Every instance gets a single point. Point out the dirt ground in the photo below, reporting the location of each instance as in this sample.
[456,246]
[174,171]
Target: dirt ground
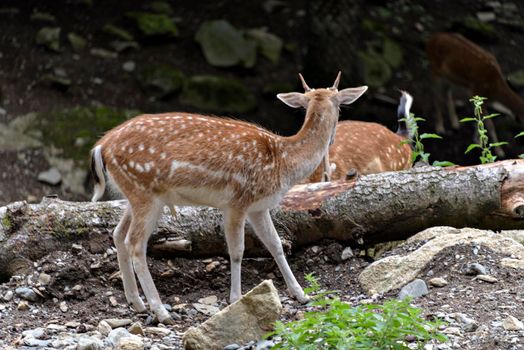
[86,281]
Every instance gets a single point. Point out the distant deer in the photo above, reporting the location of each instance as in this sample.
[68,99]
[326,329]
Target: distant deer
[368,148]
[464,63]
[190,159]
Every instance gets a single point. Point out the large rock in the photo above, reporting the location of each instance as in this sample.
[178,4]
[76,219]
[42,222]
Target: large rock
[395,271]
[247,319]
[217,94]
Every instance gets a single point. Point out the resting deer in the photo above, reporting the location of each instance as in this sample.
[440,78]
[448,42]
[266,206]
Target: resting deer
[464,63]
[368,148]
[191,159]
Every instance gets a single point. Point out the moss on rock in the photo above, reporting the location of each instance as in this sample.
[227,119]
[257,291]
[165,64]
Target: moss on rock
[218,94]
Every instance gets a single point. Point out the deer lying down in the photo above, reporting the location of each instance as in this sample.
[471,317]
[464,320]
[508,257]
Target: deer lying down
[191,159]
[367,148]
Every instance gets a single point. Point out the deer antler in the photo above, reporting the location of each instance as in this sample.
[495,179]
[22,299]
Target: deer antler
[306,88]
[337,80]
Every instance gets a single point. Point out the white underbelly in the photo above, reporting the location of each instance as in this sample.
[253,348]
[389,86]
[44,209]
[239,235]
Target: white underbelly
[201,196]
[268,202]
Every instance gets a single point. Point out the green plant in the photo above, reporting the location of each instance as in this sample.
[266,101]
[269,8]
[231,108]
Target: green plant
[486,156]
[520,134]
[338,325]
[416,141]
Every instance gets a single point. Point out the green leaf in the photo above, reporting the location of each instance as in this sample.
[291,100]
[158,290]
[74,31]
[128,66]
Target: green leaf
[418,119]
[443,163]
[497,144]
[472,147]
[429,136]
[489,116]
[519,134]
[224,45]
[118,32]
[269,44]
[467,119]
[153,24]
[217,94]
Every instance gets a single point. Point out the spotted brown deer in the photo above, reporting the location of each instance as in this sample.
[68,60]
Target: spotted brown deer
[457,59]
[190,159]
[367,148]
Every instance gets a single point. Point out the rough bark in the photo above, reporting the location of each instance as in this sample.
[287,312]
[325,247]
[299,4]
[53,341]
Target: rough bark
[373,208]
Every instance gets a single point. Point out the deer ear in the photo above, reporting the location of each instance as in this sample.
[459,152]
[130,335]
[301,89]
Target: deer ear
[350,95]
[294,99]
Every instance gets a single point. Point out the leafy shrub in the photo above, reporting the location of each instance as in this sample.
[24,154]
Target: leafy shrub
[416,140]
[338,325]
[486,156]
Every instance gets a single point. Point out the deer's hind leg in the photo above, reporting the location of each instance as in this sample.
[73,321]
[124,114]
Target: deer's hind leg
[125,264]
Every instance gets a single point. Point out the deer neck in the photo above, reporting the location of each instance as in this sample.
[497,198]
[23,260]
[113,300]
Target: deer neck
[303,152]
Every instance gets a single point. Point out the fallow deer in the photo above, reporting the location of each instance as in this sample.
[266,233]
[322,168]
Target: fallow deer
[457,59]
[191,159]
[368,148]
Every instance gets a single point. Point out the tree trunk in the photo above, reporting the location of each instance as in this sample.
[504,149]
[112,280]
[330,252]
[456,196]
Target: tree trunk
[373,208]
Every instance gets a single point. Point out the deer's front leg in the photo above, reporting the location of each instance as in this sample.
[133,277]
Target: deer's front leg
[265,230]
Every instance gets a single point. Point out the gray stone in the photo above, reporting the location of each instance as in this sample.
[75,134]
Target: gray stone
[44,278]
[158,331]
[26,293]
[130,343]
[486,16]
[37,343]
[104,328]
[63,306]
[513,263]
[8,295]
[487,278]
[231,347]
[468,324]
[22,306]
[208,310]
[438,282]
[136,328]
[113,338]
[475,269]
[414,289]
[37,333]
[129,66]
[512,323]
[396,270]
[89,343]
[264,344]
[249,318]
[210,300]
[118,322]
[51,176]
[347,253]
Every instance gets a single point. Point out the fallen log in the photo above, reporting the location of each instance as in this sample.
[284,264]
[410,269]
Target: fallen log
[369,209]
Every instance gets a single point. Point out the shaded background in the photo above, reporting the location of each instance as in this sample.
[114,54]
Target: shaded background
[69,70]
